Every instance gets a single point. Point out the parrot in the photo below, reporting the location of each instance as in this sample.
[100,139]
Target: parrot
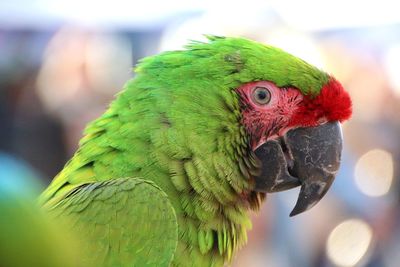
[169,173]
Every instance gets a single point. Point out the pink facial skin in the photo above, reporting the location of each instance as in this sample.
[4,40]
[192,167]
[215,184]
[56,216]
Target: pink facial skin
[289,109]
[268,121]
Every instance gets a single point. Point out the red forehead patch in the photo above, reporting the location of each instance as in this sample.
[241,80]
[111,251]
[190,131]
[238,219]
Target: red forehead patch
[332,104]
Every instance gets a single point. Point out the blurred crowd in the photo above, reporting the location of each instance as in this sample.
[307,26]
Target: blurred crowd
[55,80]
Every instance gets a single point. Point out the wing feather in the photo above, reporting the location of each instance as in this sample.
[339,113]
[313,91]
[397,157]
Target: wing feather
[121,222]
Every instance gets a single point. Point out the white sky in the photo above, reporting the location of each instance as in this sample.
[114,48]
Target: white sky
[304,15]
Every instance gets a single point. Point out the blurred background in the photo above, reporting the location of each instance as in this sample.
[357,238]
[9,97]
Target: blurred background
[62,62]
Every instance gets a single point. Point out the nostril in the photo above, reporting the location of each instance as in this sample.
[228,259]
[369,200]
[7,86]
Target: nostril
[322,120]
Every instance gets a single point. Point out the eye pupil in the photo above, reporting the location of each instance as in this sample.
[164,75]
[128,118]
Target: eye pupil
[261,95]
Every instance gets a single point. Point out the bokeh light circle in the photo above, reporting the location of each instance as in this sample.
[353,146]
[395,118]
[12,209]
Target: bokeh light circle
[348,242]
[374,172]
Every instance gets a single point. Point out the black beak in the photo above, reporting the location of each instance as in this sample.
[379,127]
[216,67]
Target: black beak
[309,157]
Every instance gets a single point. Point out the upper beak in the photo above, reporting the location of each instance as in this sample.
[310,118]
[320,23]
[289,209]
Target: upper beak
[309,157]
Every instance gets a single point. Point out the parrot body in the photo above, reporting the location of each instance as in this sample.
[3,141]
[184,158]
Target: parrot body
[165,177]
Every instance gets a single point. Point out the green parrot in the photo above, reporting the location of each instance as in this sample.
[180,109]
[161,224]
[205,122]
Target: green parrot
[168,174]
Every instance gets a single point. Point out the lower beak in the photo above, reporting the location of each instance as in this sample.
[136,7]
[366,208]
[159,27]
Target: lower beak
[306,157]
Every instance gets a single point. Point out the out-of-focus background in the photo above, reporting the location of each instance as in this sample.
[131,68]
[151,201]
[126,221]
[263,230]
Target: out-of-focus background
[61,63]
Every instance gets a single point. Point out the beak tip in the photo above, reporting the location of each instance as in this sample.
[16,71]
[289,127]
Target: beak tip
[310,195]
[300,208]
[293,213]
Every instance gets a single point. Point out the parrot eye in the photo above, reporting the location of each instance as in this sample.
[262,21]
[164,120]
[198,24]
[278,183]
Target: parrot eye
[261,95]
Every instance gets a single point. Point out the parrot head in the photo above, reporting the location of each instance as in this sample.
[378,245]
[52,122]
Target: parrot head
[294,128]
[281,114]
